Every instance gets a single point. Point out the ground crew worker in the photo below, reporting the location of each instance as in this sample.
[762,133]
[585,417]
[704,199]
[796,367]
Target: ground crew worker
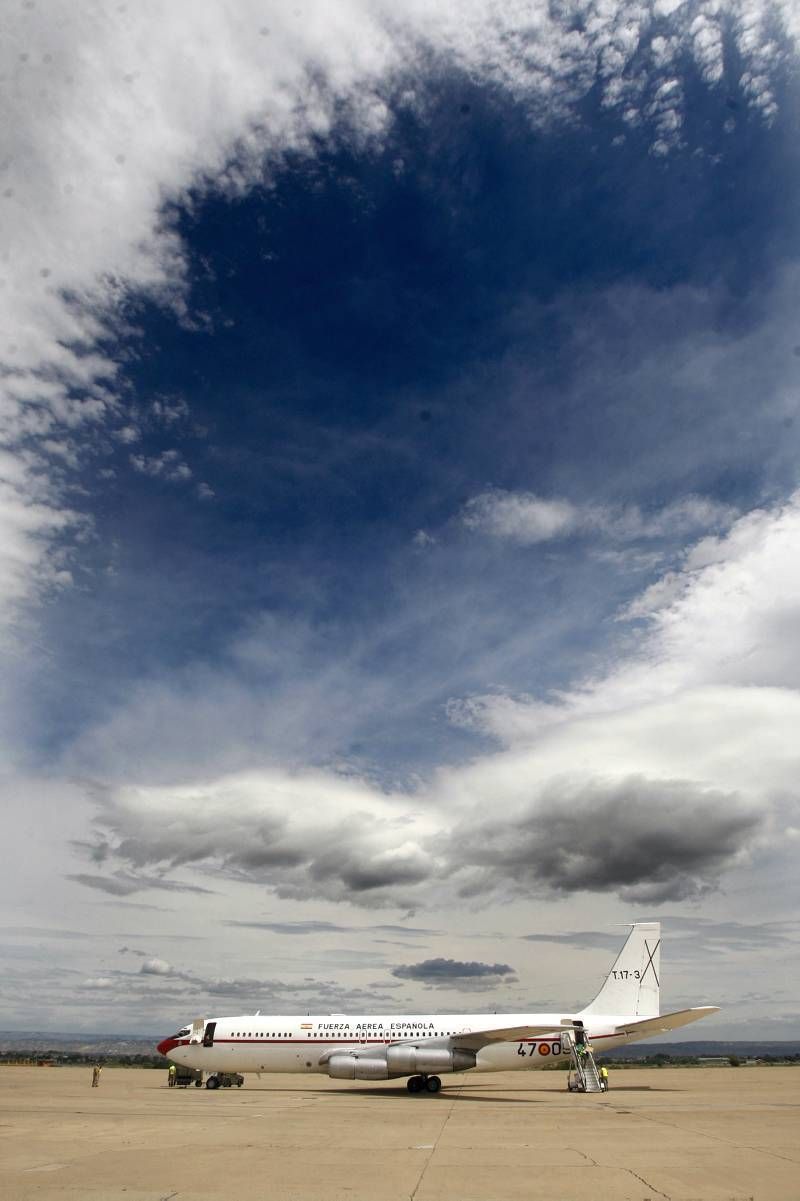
[96,1070]
[604,1078]
[172,1073]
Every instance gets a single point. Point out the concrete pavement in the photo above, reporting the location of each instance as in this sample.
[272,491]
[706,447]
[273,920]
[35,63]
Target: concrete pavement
[713,1134]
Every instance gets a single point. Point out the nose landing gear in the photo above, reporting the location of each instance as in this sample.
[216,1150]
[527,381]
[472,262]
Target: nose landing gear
[419,1084]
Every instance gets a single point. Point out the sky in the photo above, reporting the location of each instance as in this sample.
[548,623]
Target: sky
[399,507]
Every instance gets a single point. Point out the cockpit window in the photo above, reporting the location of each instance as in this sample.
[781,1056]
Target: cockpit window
[184,1033]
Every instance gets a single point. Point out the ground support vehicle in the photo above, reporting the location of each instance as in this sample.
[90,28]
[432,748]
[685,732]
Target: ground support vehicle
[186,1076]
[225,1080]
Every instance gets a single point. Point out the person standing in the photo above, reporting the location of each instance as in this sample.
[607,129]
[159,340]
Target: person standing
[172,1073]
[604,1078]
[96,1070]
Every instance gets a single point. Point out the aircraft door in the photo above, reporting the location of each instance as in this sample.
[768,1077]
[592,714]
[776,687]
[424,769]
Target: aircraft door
[208,1036]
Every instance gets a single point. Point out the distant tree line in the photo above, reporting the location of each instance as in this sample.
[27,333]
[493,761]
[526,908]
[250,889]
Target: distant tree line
[70,1058]
[662,1059]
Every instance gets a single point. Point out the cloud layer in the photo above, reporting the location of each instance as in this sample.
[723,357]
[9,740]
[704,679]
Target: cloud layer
[651,781]
[114,116]
[604,581]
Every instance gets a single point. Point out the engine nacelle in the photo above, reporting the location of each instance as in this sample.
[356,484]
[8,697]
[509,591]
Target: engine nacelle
[406,1061]
[349,1067]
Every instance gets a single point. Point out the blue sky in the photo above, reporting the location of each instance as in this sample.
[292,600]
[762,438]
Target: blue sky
[398,503]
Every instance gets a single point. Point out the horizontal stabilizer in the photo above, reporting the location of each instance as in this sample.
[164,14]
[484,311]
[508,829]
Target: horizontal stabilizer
[646,1027]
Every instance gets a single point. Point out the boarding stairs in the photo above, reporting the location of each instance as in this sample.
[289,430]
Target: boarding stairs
[584,1067]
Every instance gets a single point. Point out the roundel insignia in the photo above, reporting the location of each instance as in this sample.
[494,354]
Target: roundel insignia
[544,1048]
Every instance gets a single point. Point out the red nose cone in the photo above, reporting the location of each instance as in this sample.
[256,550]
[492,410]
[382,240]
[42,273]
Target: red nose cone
[166,1045]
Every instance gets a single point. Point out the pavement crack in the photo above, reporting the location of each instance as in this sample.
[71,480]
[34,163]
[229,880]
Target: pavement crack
[455,1093]
[585,1155]
[647,1184]
[718,1138]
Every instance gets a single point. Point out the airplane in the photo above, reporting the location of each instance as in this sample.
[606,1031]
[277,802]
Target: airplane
[422,1047]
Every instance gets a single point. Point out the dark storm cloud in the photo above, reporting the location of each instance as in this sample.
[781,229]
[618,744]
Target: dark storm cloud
[346,868]
[647,840]
[450,971]
[585,939]
[317,927]
[359,874]
[122,884]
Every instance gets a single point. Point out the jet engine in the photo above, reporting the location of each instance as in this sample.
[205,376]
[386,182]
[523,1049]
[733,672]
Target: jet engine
[400,1061]
[406,1060]
[350,1067]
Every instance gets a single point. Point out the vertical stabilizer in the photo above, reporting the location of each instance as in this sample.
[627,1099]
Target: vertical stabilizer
[631,987]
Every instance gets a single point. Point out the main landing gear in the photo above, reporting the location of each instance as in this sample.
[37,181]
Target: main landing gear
[423,1084]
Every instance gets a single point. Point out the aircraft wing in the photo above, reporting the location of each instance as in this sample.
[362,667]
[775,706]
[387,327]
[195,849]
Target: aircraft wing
[475,1039]
[667,1021]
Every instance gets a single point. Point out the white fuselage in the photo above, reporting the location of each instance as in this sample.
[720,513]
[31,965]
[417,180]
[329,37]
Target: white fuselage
[297,1044]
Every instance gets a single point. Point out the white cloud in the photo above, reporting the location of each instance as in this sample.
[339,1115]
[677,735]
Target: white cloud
[525,518]
[170,410]
[110,114]
[728,619]
[127,434]
[156,967]
[169,465]
[31,522]
[521,517]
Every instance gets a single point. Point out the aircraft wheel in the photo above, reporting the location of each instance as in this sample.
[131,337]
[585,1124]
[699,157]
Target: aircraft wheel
[212,1082]
[198,1083]
[414,1084]
[433,1084]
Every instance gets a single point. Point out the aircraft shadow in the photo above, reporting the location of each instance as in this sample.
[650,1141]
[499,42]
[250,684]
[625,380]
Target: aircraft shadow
[459,1093]
[640,1088]
[421,1098]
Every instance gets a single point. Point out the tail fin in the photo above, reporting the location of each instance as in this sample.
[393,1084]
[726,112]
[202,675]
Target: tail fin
[631,987]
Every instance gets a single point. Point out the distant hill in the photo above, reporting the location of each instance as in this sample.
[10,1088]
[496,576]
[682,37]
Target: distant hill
[744,1049]
[39,1041]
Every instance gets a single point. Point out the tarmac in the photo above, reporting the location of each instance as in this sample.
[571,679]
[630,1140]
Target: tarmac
[703,1134]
